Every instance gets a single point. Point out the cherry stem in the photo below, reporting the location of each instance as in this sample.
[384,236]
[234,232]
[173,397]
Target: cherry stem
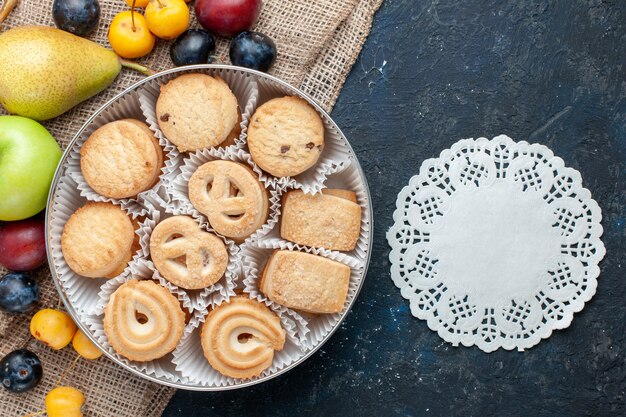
[6,8]
[69,368]
[137,67]
[38,413]
[132,16]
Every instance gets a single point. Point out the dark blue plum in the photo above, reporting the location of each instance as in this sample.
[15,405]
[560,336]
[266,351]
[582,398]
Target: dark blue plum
[19,292]
[20,371]
[253,50]
[195,46]
[79,17]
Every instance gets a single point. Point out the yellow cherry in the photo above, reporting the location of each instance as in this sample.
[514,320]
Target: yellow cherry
[130,39]
[64,402]
[167,18]
[53,327]
[85,347]
[138,3]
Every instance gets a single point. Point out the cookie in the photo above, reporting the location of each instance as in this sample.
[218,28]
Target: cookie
[186,255]
[98,240]
[239,337]
[285,136]
[305,282]
[121,159]
[143,321]
[230,195]
[197,111]
[331,220]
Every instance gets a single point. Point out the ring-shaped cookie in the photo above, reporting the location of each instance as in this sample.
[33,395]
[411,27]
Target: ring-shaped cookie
[231,196]
[239,338]
[186,255]
[143,320]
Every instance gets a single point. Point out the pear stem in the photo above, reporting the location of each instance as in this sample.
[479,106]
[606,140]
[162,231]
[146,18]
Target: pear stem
[136,67]
[6,8]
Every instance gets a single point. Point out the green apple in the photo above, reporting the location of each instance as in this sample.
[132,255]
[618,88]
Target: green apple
[29,155]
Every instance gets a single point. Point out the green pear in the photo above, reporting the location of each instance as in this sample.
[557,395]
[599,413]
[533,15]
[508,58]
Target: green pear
[44,71]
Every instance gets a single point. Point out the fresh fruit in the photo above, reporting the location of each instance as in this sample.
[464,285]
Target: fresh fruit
[52,327]
[19,292]
[23,244]
[129,35]
[44,71]
[253,50]
[64,402]
[138,3]
[28,158]
[167,18]
[20,370]
[85,347]
[195,46]
[227,17]
[79,17]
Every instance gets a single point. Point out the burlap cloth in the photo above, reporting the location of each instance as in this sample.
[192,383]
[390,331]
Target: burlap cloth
[317,41]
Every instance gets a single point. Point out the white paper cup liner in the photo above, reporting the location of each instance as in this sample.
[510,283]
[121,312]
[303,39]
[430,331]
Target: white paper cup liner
[335,156]
[347,179]
[192,365]
[81,291]
[179,187]
[126,107]
[244,88]
[319,325]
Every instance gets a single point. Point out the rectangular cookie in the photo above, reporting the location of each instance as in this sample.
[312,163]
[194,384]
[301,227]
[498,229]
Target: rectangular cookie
[331,220]
[305,282]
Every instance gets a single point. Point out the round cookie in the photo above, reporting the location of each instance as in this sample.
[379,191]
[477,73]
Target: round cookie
[197,111]
[143,320]
[121,159]
[239,337]
[285,136]
[98,240]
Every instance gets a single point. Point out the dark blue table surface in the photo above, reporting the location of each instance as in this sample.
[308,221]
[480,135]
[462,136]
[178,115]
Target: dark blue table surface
[431,73]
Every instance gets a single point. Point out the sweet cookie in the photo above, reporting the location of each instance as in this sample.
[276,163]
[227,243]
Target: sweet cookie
[231,197]
[331,220]
[98,240]
[285,136]
[143,321]
[186,255]
[121,159]
[305,282]
[239,337]
[197,111]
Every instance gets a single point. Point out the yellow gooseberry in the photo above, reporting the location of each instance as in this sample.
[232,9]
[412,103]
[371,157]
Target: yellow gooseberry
[129,35]
[167,19]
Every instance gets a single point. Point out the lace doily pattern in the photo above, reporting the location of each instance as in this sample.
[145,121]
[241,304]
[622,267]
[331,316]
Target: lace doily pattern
[496,243]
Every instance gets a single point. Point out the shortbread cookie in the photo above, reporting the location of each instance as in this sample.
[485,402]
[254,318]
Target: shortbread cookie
[231,197]
[143,321]
[197,111]
[239,337]
[98,240]
[285,136]
[305,282]
[331,220]
[121,159]
[186,255]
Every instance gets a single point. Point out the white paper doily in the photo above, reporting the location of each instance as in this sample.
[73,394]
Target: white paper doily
[496,243]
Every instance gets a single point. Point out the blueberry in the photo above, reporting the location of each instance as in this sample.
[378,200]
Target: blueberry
[20,370]
[19,292]
[195,46]
[79,17]
[253,50]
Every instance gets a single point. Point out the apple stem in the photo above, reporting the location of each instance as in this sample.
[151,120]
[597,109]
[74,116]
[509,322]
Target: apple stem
[136,67]
[6,9]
